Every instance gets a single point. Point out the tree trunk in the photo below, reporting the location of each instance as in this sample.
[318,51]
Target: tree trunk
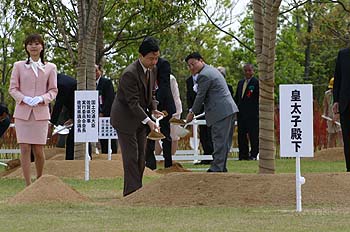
[265,25]
[308,48]
[86,78]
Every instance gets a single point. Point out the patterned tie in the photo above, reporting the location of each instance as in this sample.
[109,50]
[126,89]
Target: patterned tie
[244,87]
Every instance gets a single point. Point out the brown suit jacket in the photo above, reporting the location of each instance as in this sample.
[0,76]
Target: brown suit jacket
[134,100]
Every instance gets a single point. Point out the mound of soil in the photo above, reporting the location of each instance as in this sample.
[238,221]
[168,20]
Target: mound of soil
[48,188]
[330,154]
[236,190]
[76,169]
[177,167]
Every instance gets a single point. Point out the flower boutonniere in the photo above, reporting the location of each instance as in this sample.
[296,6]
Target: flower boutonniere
[250,91]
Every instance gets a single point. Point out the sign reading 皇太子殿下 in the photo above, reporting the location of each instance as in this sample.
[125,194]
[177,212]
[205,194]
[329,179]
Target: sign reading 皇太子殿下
[296,120]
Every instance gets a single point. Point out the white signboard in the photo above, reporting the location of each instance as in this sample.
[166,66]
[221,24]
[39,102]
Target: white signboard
[105,129]
[296,121]
[86,116]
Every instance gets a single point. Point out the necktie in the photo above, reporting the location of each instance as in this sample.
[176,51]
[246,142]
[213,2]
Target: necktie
[244,87]
[148,74]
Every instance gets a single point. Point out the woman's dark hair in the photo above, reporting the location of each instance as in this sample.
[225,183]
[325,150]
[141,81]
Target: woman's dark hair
[31,39]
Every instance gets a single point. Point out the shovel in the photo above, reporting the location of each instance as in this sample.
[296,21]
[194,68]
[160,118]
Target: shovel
[329,119]
[156,135]
[182,131]
[62,130]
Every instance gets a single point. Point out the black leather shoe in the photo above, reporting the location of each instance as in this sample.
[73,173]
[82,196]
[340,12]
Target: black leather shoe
[203,162]
[209,170]
[252,158]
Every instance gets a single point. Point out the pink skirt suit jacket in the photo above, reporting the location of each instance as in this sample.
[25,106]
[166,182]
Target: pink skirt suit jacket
[31,123]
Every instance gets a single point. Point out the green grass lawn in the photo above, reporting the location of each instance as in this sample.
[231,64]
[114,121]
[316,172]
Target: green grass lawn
[282,166]
[104,214]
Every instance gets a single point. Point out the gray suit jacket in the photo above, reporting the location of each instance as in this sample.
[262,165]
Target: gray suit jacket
[214,94]
[134,100]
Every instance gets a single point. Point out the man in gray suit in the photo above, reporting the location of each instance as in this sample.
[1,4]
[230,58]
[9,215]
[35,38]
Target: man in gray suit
[219,108]
[131,110]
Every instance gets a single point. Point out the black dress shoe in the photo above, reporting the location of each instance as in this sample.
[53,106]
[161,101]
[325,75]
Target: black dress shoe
[203,162]
[209,170]
[252,158]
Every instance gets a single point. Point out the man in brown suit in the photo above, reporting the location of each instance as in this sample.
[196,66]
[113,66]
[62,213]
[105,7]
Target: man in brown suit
[131,110]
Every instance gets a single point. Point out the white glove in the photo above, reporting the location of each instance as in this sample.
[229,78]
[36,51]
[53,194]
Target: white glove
[36,100]
[27,100]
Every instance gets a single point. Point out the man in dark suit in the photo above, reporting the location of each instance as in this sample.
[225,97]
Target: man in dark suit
[166,103]
[247,99]
[65,98]
[341,98]
[4,119]
[105,100]
[219,108]
[204,130]
[131,110]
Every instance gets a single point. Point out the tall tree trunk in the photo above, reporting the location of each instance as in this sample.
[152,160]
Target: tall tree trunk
[308,47]
[87,23]
[4,68]
[265,26]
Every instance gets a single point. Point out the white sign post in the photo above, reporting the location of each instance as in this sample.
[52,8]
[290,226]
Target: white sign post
[296,127]
[86,121]
[106,131]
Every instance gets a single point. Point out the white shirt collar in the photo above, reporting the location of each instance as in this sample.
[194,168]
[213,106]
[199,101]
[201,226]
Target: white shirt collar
[143,67]
[98,80]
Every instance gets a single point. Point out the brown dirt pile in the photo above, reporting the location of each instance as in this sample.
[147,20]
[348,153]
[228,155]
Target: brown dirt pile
[177,167]
[226,189]
[48,188]
[76,169]
[330,154]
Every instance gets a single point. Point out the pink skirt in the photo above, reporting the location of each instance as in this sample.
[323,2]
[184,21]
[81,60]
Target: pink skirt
[31,131]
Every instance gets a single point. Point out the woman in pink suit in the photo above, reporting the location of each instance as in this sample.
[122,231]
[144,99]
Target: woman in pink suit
[33,85]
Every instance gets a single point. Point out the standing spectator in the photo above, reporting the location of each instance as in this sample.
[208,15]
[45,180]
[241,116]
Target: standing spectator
[219,108]
[173,128]
[178,105]
[65,98]
[166,103]
[105,99]
[333,130]
[204,130]
[341,98]
[33,85]
[131,109]
[4,119]
[247,98]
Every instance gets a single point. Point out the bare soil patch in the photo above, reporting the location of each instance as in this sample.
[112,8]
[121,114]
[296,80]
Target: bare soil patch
[76,169]
[177,167]
[330,154]
[179,187]
[236,190]
[48,188]
[99,166]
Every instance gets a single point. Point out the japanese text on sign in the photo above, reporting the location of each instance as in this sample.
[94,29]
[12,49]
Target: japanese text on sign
[86,116]
[296,120]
